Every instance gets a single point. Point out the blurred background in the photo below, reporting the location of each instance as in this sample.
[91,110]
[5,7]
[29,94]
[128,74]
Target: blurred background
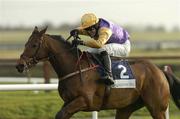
[154,27]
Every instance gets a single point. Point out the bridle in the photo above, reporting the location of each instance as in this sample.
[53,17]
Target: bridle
[34,59]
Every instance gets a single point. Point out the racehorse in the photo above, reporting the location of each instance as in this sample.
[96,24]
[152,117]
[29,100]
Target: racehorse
[79,85]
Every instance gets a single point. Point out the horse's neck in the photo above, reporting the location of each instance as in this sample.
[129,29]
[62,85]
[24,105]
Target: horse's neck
[62,58]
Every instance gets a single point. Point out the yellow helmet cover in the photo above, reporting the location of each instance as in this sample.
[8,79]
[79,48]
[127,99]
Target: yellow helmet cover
[88,20]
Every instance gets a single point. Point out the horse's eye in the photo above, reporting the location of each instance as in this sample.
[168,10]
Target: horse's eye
[34,45]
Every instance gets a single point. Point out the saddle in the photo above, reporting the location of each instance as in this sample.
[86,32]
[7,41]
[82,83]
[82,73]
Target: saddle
[121,70]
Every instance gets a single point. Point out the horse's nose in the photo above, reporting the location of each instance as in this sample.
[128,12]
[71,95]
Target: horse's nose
[20,65]
[20,68]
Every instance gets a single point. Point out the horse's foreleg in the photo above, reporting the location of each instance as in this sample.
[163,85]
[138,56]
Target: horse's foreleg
[68,110]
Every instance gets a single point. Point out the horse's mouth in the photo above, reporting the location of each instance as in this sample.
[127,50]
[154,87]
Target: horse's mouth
[21,67]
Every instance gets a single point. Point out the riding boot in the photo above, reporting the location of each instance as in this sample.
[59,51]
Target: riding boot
[106,60]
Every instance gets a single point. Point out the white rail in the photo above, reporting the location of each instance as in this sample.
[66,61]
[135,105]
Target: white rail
[26,80]
[13,87]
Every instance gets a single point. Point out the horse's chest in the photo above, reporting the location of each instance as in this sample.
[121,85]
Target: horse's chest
[67,92]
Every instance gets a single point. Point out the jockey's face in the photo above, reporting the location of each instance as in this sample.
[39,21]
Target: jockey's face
[91,31]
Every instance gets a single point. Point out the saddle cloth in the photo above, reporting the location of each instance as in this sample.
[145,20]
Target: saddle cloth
[121,70]
[122,74]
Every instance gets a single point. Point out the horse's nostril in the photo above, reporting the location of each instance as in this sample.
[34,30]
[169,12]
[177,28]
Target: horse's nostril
[20,67]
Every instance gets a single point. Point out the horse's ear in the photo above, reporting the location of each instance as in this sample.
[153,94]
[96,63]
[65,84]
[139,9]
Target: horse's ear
[43,31]
[35,28]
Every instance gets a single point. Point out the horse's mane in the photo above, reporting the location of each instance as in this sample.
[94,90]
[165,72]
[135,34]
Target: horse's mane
[65,42]
[60,39]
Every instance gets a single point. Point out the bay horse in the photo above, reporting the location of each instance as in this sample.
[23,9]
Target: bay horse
[79,87]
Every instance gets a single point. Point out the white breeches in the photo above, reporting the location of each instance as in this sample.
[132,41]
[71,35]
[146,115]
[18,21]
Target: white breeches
[114,49]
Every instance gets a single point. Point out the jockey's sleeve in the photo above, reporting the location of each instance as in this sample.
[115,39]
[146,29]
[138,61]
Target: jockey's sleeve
[104,35]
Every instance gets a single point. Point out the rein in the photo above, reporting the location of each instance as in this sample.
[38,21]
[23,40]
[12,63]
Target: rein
[34,60]
[77,72]
[76,37]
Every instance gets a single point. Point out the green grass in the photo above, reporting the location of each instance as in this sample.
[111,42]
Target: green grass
[14,54]
[158,53]
[167,52]
[11,37]
[22,36]
[23,105]
[29,105]
[155,36]
[10,54]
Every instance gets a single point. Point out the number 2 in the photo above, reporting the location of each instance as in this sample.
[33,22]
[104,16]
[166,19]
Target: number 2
[124,70]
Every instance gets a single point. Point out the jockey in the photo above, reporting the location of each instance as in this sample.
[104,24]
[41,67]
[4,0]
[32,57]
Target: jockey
[109,39]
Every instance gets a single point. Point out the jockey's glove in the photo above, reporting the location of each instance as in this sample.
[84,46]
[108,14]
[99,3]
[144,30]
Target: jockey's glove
[74,32]
[77,42]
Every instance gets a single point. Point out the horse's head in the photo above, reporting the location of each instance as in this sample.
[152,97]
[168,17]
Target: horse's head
[34,51]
